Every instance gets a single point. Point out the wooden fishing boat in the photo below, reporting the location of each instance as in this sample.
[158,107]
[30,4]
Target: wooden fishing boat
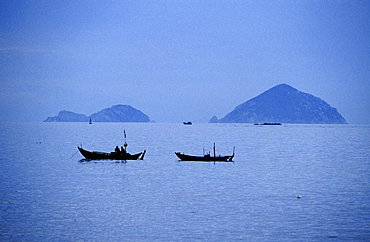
[117,154]
[96,155]
[207,157]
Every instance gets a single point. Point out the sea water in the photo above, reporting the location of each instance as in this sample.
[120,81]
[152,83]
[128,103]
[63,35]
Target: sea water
[47,192]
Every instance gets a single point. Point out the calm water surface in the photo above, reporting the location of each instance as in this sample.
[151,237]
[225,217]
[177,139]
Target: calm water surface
[47,195]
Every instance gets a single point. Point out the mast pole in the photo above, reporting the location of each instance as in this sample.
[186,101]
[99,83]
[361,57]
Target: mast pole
[214,149]
[124,135]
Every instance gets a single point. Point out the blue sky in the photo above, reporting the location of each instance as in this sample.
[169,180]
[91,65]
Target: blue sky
[180,60]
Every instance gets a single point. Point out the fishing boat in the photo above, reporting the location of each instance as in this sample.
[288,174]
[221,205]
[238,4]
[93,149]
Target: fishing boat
[187,123]
[117,154]
[207,157]
[96,155]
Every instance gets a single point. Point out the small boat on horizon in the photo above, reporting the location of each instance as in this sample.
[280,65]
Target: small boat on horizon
[187,123]
[206,157]
[269,124]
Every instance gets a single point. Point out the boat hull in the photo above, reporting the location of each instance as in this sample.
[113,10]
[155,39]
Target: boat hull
[184,157]
[95,155]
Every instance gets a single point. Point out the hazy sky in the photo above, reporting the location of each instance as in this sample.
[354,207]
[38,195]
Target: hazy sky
[180,60]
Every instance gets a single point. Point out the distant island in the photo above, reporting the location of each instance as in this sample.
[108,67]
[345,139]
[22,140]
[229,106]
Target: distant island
[283,104]
[117,113]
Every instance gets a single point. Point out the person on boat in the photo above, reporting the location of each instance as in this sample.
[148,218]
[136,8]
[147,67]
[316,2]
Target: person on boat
[117,150]
[123,151]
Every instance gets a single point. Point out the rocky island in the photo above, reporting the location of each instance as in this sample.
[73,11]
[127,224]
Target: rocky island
[117,113]
[283,104]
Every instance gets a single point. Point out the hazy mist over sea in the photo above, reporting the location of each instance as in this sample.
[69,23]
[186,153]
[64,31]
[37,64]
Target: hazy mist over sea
[180,60]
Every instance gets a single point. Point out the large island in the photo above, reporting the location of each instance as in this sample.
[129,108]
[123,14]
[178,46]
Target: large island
[283,104]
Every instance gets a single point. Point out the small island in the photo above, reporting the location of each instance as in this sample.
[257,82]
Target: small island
[117,113]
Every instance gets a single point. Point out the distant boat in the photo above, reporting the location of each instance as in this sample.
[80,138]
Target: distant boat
[269,124]
[207,157]
[96,155]
[187,123]
[90,121]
